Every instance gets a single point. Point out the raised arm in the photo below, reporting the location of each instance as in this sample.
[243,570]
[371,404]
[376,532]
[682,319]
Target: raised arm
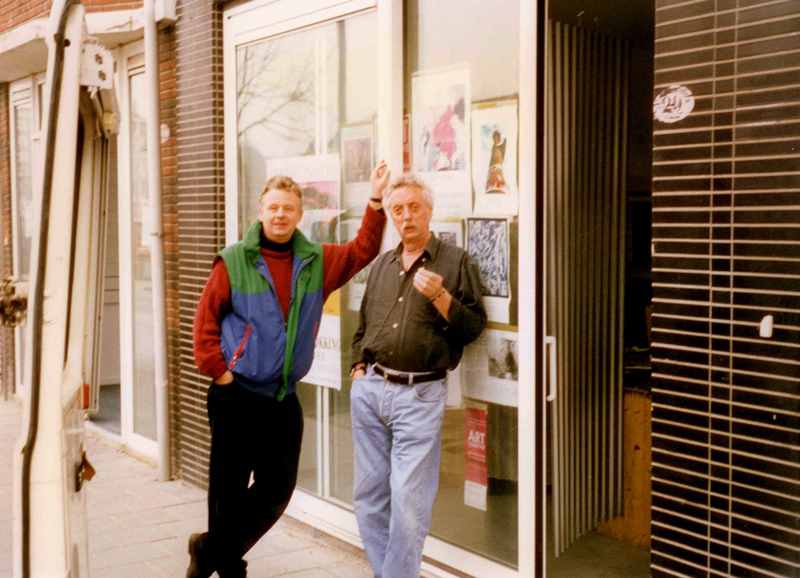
[341,262]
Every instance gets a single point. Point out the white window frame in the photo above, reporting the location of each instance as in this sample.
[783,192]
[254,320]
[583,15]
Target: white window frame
[21,92]
[259,19]
[130,61]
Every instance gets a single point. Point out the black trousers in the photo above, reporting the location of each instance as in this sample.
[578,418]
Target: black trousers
[250,433]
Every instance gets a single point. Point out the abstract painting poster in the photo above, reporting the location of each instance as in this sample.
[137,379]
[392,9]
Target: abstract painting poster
[440,137]
[488,245]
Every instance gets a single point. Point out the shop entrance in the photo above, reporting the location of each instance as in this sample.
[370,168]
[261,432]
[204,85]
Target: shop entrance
[126,405]
[598,94]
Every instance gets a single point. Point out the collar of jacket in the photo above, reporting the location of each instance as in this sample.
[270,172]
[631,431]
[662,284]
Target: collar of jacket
[302,248]
[431,248]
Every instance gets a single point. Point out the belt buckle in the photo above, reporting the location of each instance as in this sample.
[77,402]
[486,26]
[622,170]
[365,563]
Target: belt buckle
[398,376]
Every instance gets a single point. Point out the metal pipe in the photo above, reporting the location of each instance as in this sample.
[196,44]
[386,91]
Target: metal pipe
[156,234]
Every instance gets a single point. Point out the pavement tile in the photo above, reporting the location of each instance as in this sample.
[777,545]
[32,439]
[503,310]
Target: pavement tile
[138,526]
[312,573]
[351,569]
[287,562]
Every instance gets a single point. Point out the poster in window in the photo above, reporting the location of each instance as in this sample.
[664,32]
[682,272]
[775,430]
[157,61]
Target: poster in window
[440,127]
[491,368]
[319,178]
[494,157]
[476,472]
[450,232]
[326,370]
[488,245]
[357,162]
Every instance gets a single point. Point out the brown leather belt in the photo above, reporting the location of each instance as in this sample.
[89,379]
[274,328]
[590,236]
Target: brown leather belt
[409,378]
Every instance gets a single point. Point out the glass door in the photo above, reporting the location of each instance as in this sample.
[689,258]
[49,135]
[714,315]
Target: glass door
[137,372]
[25,128]
[306,107]
[23,212]
[143,390]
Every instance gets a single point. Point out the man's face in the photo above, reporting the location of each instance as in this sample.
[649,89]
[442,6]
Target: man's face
[411,214]
[279,213]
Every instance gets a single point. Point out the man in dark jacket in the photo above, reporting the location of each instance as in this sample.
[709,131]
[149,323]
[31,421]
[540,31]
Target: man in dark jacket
[421,307]
[254,335]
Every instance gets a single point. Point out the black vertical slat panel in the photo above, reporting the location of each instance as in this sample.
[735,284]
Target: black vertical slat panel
[726,231]
[586,98]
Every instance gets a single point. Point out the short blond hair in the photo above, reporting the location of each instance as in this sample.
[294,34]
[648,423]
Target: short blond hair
[408,180]
[282,183]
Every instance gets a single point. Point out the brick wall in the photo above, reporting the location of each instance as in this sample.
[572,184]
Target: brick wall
[15,12]
[201,218]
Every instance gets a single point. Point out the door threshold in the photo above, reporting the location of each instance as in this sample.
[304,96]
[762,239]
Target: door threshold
[115,440]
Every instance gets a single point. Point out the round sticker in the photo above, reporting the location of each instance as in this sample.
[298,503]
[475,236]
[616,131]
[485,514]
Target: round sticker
[672,104]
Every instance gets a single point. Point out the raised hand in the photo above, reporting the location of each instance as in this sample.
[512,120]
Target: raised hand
[379,179]
[428,283]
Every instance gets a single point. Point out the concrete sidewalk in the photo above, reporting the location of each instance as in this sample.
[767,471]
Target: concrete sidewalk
[138,526]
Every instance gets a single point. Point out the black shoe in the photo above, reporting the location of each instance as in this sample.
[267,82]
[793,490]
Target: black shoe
[200,565]
[236,570]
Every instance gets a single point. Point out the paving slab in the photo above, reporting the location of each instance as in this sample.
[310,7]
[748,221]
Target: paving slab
[138,526]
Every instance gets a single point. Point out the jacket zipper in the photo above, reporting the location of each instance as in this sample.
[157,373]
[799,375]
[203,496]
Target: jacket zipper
[286,372]
[248,330]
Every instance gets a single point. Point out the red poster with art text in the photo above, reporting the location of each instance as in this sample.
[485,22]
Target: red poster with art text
[475,472]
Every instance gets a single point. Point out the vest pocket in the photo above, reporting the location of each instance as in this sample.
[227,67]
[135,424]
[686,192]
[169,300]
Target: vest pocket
[239,351]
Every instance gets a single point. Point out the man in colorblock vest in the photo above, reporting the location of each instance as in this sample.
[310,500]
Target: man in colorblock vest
[254,335]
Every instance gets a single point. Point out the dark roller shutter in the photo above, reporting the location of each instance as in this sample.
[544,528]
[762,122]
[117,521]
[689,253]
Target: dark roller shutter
[726,229]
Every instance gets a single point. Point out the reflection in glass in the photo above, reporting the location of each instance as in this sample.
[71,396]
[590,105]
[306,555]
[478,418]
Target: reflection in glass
[296,95]
[476,507]
[144,410]
[23,187]
[276,108]
[23,191]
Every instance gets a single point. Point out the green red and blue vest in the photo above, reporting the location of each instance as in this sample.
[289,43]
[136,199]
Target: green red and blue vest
[268,353]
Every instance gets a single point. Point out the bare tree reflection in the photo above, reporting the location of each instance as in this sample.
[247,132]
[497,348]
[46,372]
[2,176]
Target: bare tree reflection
[278,100]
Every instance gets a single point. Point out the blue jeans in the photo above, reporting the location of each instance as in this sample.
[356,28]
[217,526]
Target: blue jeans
[397,439]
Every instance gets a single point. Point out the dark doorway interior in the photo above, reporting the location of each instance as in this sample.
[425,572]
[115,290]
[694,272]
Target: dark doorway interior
[599,91]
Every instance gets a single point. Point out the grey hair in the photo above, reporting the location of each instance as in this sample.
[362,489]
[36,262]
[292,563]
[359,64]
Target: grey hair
[408,180]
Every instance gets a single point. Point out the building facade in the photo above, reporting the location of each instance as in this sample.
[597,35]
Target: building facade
[626,177]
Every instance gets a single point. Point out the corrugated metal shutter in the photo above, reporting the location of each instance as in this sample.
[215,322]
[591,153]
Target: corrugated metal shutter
[201,216]
[587,108]
[726,229]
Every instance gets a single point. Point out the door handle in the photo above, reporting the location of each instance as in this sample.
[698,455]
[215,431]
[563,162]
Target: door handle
[550,344]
